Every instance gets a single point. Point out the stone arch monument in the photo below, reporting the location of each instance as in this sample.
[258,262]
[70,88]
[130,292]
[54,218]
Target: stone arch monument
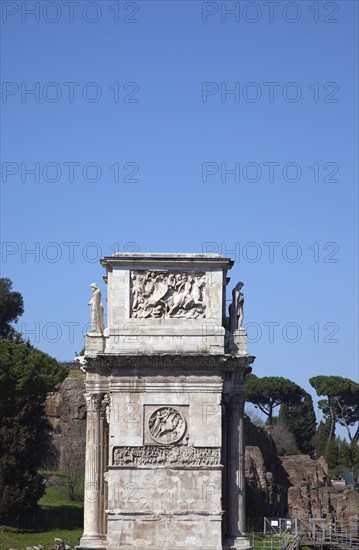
[164,395]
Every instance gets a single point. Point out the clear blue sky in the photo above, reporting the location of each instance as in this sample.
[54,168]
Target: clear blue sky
[141,87]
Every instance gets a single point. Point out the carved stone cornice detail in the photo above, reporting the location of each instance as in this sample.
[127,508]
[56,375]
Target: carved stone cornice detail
[226,363]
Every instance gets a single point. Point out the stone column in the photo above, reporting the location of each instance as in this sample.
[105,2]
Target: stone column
[225,484]
[236,512]
[92,536]
[241,476]
[104,423]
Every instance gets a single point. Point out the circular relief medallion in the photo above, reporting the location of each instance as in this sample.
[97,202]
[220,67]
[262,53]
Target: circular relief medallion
[166,425]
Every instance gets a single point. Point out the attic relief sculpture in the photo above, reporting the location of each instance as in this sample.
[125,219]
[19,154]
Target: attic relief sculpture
[160,294]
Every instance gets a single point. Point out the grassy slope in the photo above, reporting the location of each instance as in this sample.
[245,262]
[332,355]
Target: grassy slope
[57,518]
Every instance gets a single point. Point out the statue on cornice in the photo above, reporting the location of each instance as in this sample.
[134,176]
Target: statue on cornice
[97,323]
[236,308]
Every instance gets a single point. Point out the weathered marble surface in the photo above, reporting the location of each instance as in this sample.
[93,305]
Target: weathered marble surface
[165,303]
[166,456]
[167,294]
[164,451]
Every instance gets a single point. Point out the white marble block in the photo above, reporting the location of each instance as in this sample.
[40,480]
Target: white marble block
[166,303]
[165,406]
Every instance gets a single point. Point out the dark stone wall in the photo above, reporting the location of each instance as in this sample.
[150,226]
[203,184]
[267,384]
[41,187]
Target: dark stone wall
[291,486]
[66,411]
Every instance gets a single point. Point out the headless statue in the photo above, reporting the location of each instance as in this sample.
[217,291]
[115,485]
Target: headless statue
[236,308]
[97,323]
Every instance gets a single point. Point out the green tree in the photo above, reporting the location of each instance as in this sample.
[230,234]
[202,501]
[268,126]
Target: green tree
[270,392]
[320,440]
[339,455]
[11,308]
[301,422]
[344,458]
[341,404]
[354,455]
[332,454]
[26,376]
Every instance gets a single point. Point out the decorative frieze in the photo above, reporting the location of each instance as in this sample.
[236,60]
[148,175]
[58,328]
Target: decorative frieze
[149,455]
[163,294]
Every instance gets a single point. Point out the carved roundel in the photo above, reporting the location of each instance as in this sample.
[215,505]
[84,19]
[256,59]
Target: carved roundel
[166,425]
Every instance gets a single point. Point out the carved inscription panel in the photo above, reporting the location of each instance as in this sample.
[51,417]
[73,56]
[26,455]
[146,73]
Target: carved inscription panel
[163,294]
[149,455]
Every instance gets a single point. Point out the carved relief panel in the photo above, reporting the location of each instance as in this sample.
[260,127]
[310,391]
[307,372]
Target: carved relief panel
[163,294]
[166,456]
[165,425]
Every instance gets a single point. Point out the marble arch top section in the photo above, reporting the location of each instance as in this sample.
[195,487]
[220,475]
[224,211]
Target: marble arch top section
[165,303]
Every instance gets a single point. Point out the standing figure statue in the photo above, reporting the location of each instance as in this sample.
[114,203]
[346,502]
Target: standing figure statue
[236,308]
[97,324]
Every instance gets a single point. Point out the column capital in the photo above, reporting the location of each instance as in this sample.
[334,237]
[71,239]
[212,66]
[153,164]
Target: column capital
[93,401]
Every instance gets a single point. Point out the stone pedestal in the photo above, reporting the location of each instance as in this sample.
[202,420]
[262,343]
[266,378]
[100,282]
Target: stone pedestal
[237,342]
[164,391]
[94,343]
